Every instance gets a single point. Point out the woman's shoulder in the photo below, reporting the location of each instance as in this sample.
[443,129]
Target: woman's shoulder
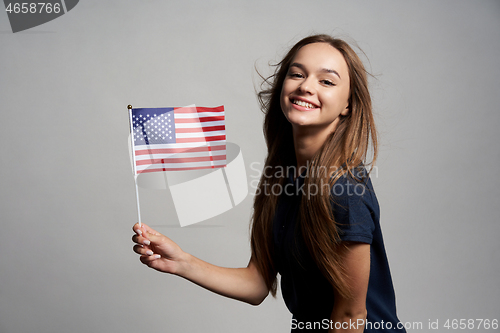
[353,183]
[355,207]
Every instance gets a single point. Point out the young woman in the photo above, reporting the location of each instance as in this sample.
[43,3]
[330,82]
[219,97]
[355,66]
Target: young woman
[316,217]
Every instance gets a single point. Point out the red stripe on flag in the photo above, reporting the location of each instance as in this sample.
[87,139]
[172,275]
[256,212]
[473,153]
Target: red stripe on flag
[198,109]
[180,169]
[206,109]
[200,129]
[178,150]
[181,160]
[205,139]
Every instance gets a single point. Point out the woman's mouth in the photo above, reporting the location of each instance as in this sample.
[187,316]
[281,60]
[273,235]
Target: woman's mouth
[303,104]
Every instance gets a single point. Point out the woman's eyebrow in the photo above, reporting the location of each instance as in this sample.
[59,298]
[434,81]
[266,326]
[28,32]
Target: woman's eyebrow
[327,70]
[296,64]
[324,70]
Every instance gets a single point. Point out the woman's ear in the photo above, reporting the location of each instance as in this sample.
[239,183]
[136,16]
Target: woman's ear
[345,112]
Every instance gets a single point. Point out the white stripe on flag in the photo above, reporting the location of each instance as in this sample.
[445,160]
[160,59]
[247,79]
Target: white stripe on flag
[181,146]
[198,115]
[199,134]
[167,166]
[200,124]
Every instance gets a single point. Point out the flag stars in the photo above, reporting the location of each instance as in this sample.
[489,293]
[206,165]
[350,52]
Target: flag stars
[153,127]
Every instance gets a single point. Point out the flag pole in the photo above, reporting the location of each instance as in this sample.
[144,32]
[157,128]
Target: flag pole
[129,107]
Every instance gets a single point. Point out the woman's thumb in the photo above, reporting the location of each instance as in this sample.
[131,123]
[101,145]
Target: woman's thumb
[149,230]
[154,238]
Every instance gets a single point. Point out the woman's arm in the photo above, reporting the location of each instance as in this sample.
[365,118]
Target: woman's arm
[350,313]
[159,252]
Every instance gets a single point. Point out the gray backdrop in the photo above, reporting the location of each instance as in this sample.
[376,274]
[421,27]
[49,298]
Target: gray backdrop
[67,192]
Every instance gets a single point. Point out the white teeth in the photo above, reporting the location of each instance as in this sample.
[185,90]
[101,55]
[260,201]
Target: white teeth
[304,104]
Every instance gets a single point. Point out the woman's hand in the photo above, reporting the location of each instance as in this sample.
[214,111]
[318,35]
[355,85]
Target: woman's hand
[157,251]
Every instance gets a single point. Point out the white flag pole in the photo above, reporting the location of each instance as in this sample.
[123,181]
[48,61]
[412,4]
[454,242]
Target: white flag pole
[134,164]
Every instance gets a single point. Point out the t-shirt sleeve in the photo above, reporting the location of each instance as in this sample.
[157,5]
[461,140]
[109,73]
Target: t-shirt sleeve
[355,209]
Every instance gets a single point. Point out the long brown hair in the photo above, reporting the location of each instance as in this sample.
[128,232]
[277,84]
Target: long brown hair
[344,149]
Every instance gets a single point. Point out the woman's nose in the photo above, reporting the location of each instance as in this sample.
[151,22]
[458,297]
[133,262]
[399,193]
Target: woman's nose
[306,86]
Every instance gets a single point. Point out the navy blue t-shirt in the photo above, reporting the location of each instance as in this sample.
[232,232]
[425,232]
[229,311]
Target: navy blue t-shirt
[307,293]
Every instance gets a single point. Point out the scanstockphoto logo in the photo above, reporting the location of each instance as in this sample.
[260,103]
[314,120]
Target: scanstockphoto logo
[25,15]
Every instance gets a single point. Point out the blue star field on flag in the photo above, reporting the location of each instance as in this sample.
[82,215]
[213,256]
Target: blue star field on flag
[153,126]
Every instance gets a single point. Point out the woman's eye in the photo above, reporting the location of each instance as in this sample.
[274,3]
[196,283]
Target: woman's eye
[298,75]
[327,82]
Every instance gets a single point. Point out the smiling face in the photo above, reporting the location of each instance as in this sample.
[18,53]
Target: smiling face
[316,89]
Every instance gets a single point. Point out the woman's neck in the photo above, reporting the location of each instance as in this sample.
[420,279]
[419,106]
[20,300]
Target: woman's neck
[307,142]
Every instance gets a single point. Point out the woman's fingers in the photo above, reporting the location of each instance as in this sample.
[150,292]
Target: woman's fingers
[142,243]
[139,249]
[145,235]
[144,228]
[145,251]
[137,228]
[146,238]
[152,245]
[141,240]
[150,230]
[148,259]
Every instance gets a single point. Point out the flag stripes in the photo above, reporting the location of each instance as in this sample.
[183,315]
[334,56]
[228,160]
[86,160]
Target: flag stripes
[170,139]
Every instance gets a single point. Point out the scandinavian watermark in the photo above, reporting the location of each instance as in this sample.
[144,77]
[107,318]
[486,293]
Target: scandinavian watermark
[350,188]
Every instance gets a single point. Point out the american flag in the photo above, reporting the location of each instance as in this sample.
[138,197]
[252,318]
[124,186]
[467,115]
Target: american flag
[171,139]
